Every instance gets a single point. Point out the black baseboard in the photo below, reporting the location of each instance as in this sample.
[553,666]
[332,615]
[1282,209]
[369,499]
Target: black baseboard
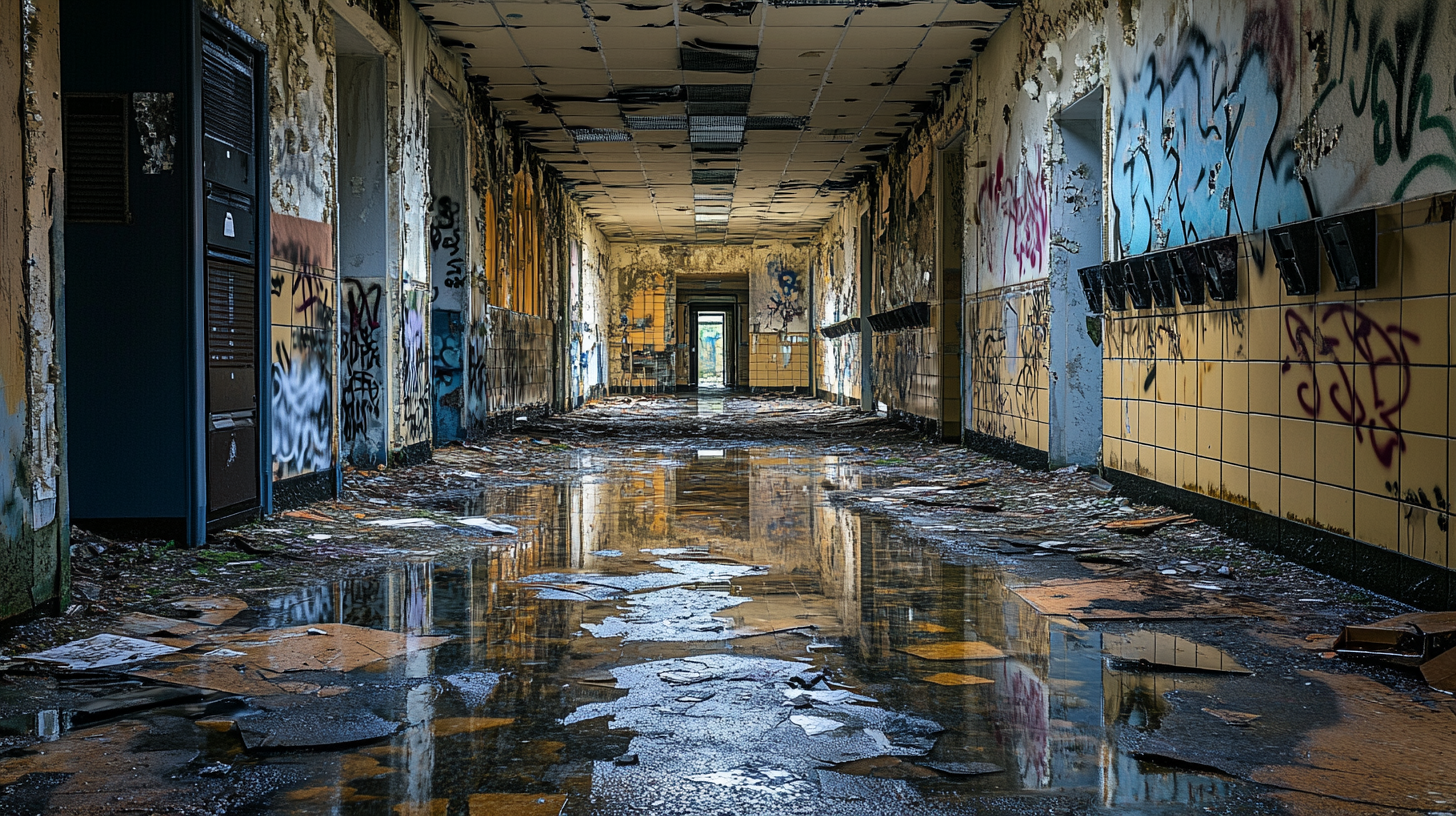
[505,421]
[1015,452]
[834,397]
[172,529]
[1409,580]
[639,390]
[297,491]
[415,454]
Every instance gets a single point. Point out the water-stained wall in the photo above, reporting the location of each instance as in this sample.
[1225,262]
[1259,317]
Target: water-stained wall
[836,299]
[1328,412]
[645,337]
[538,259]
[34,529]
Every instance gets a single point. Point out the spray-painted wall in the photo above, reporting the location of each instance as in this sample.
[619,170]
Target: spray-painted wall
[644,335]
[588,299]
[522,279]
[34,530]
[1327,413]
[836,299]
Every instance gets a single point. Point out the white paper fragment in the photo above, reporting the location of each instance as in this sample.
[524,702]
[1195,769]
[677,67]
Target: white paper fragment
[815,725]
[99,652]
[492,527]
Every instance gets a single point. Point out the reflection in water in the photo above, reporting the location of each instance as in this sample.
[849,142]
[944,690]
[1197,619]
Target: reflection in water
[841,594]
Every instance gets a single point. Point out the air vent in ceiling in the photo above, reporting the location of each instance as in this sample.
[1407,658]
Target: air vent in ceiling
[714,176]
[719,61]
[96,159]
[599,135]
[657,122]
[719,93]
[717,108]
[777,122]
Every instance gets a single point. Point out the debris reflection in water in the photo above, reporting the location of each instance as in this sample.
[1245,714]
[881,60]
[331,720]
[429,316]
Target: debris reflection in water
[841,595]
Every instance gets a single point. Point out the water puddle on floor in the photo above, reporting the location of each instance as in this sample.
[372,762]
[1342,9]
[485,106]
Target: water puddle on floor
[702,633]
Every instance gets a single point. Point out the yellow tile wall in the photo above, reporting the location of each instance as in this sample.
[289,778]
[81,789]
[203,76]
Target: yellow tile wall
[1006,341]
[778,360]
[1334,410]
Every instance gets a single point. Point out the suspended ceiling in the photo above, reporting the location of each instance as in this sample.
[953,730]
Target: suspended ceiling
[697,121]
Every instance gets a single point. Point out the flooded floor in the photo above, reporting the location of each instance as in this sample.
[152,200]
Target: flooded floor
[683,630]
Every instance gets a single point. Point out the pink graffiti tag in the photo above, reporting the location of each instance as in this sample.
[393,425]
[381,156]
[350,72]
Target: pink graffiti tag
[1016,218]
[1377,355]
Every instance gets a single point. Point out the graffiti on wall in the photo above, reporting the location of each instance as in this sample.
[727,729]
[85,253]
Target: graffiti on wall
[1356,367]
[1210,141]
[302,403]
[1383,86]
[445,238]
[303,289]
[785,309]
[414,376]
[361,391]
[1009,365]
[447,366]
[1202,147]
[1015,218]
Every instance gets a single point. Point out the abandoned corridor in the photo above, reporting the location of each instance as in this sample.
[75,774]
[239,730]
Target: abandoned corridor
[715,605]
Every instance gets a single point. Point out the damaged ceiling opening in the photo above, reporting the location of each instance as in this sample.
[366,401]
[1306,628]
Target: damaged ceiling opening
[705,121]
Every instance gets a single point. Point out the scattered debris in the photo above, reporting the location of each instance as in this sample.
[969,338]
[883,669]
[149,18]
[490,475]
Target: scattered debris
[1152,598]
[100,652]
[475,688]
[952,679]
[211,611]
[813,726]
[1404,640]
[1146,525]
[962,650]
[1237,718]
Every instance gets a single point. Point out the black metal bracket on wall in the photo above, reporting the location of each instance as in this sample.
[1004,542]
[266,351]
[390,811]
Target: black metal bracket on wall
[913,316]
[840,329]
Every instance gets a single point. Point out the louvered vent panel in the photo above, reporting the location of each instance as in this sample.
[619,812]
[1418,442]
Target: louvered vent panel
[96,171]
[227,96]
[232,315]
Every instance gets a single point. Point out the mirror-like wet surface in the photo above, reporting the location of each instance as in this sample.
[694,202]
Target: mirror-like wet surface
[702,632]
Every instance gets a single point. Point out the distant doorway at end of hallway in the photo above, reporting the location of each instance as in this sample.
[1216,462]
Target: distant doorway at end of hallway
[710,350]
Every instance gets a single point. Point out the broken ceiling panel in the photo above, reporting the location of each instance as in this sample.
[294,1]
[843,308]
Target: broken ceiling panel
[779,100]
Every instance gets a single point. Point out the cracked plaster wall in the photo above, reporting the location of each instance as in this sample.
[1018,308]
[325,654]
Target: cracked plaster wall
[1220,118]
[643,297]
[1329,411]
[33,525]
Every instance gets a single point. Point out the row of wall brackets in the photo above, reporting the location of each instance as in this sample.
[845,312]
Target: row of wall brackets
[1153,279]
[1350,245]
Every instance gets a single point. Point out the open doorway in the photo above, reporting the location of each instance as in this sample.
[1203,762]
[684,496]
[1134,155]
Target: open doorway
[711,342]
[710,351]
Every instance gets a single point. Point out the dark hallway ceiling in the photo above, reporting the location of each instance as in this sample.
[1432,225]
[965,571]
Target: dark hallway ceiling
[714,120]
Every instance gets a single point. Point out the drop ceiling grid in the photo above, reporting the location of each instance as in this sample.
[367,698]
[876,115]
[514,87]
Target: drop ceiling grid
[541,62]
